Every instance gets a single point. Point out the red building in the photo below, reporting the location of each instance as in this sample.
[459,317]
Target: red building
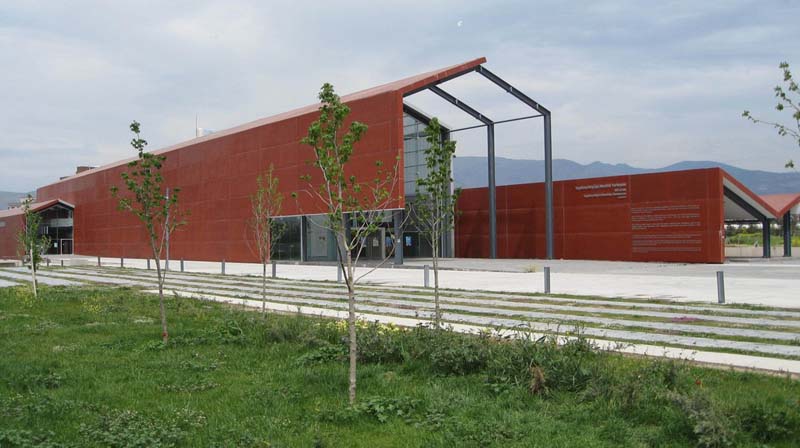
[676,216]
[623,218]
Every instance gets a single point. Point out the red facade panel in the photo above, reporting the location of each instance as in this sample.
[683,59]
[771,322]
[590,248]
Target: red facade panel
[9,229]
[217,175]
[675,216]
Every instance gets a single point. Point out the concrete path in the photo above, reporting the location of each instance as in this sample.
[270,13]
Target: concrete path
[775,284]
[6,283]
[749,362]
[640,303]
[675,327]
[502,308]
[15,274]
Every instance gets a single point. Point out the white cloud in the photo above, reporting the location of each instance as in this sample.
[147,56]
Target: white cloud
[642,83]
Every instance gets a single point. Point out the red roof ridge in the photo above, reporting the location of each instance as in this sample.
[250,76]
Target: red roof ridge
[782,202]
[403,86]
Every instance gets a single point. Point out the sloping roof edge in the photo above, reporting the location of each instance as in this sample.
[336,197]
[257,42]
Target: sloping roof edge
[747,195]
[36,207]
[782,203]
[401,86]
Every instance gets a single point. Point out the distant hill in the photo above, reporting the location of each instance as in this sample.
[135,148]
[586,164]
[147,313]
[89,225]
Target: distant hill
[7,197]
[470,172]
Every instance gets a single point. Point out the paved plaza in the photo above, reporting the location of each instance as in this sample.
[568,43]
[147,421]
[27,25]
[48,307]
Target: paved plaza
[769,282]
[619,306]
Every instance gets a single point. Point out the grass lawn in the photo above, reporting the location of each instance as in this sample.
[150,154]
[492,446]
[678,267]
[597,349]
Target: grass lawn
[86,367]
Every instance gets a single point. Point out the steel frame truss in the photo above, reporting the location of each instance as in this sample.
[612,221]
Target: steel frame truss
[490,124]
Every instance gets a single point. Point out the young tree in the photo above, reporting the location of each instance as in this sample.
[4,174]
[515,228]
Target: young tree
[785,101]
[157,211]
[434,205]
[266,204]
[31,243]
[353,205]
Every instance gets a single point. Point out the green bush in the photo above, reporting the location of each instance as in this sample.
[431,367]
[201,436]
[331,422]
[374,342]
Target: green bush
[381,344]
[769,422]
[711,428]
[13,438]
[128,428]
[455,354]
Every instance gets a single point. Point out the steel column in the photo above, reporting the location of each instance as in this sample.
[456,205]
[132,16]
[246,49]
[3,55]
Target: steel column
[548,149]
[787,234]
[548,186]
[397,221]
[303,229]
[766,238]
[490,159]
[492,192]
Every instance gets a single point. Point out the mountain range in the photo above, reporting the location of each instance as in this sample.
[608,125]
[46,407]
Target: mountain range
[8,197]
[470,172]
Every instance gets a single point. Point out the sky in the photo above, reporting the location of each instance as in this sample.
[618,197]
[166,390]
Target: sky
[647,83]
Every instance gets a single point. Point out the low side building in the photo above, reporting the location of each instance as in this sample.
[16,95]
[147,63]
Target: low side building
[676,216]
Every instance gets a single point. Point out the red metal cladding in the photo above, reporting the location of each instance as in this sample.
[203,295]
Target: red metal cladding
[675,216]
[10,226]
[218,175]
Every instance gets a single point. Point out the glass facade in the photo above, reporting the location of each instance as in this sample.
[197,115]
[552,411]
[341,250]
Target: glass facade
[414,143]
[57,225]
[288,246]
[311,234]
[415,167]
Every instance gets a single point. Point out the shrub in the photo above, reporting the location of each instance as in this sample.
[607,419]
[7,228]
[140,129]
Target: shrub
[325,353]
[379,343]
[285,330]
[710,427]
[768,423]
[542,365]
[12,438]
[455,354]
[128,428]
[381,409]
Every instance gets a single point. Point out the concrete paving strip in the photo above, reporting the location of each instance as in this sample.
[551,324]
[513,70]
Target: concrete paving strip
[43,279]
[484,320]
[591,320]
[619,335]
[757,363]
[6,283]
[274,287]
[677,307]
[602,279]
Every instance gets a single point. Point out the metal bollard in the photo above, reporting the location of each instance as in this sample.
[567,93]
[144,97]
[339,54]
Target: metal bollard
[547,279]
[339,273]
[720,287]
[98,261]
[122,262]
[223,267]
[274,269]
[62,263]
[148,264]
[427,276]
[181,264]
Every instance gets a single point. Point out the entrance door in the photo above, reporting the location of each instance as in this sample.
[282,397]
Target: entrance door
[65,246]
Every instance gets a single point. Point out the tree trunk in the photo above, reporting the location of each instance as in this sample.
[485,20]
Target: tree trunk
[437,310]
[351,326]
[33,275]
[351,300]
[264,289]
[164,332]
